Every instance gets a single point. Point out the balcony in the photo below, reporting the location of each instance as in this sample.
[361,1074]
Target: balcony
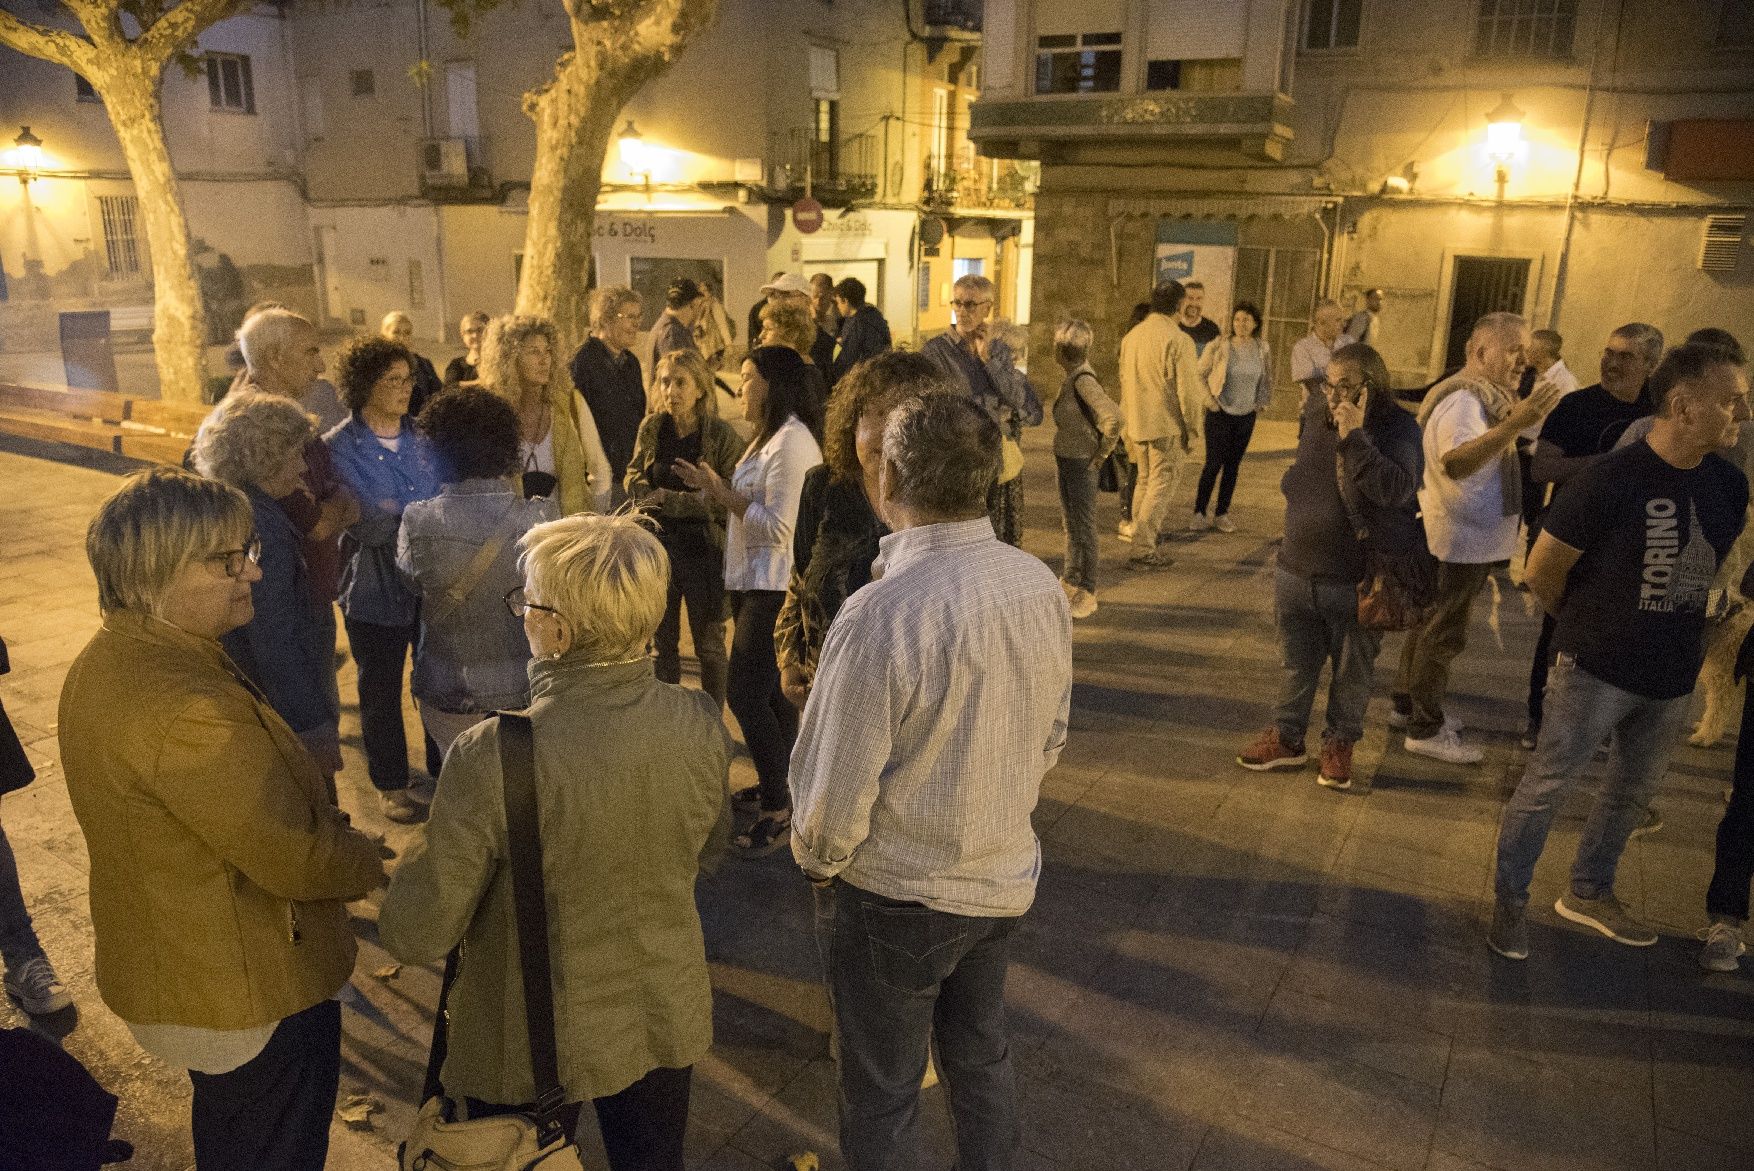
[1098,127]
[958,15]
[1002,185]
[837,173]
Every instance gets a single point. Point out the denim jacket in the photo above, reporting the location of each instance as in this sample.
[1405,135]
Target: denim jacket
[386,482]
[472,655]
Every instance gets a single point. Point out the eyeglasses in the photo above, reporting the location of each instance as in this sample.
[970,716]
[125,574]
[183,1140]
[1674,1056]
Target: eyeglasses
[967,306]
[404,380]
[516,603]
[1349,389]
[634,316]
[236,559]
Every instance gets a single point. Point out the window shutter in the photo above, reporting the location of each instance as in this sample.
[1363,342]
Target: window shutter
[1721,243]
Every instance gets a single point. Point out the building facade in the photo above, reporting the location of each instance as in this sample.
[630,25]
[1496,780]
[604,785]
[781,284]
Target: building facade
[1583,162]
[351,157]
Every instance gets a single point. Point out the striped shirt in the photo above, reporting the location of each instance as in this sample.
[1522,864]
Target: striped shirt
[940,701]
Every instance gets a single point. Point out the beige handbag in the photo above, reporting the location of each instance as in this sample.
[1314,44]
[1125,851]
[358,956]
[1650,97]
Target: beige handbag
[505,1142]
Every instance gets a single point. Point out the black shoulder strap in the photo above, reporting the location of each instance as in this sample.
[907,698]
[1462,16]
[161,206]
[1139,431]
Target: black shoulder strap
[517,759]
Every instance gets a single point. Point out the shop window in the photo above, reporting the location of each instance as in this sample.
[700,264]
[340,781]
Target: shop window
[1526,28]
[228,83]
[1332,24]
[1078,63]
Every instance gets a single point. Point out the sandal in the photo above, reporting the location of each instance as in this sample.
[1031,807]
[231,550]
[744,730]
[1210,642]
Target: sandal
[768,834]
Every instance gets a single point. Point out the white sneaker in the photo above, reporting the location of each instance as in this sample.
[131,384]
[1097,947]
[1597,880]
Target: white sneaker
[36,987]
[1199,523]
[1083,604]
[1223,523]
[1445,746]
[1723,947]
[1124,530]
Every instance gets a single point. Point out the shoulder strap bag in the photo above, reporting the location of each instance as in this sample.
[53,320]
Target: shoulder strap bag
[534,1141]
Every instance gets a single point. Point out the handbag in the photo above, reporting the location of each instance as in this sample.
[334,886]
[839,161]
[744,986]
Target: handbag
[505,1142]
[1114,471]
[1398,592]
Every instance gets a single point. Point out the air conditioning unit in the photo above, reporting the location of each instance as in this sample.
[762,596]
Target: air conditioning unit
[1721,243]
[444,162]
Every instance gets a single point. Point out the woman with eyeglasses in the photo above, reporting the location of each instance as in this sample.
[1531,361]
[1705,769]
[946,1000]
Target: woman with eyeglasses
[1350,501]
[219,865]
[388,465]
[760,501]
[255,442]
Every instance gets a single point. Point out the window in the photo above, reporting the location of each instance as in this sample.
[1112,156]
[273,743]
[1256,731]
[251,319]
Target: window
[1208,76]
[1526,28]
[365,83]
[120,215]
[1332,24]
[1074,64]
[83,91]
[228,83]
[825,136]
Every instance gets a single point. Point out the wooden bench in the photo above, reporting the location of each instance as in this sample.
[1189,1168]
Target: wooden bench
[138,428]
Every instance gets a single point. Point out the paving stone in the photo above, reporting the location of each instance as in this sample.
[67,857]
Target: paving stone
[1242,1144]
[1504,1110]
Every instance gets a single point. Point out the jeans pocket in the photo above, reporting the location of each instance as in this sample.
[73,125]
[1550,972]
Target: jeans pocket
[912,948]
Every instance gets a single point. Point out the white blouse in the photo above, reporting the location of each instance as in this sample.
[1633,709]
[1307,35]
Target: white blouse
[758,544]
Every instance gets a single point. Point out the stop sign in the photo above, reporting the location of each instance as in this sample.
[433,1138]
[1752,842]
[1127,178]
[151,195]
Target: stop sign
[807,215]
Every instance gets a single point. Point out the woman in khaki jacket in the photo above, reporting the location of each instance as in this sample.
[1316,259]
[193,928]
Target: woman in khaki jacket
[218,863]
[631,778]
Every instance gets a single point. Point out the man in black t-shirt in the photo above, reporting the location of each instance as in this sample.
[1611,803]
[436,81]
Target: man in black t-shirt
[1624,564]
[1586,424]
[1199,328]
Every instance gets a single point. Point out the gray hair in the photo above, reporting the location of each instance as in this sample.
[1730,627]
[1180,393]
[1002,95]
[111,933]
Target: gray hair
[1502,324]
[1072,340]
[1648,339]
[975,283]
[158,522]
[264,336]
[249,436]
[607,303]
[607,577]
[942,455]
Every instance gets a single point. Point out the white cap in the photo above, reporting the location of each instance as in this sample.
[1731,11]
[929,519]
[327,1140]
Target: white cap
[791,282]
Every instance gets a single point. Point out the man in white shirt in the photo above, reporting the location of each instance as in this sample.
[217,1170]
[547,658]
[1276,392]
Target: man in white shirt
[1471,498]
[1163,409]
[1309,357]
[941,699]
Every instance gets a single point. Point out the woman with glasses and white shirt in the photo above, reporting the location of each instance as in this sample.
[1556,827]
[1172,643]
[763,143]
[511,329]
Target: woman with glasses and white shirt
[761,503]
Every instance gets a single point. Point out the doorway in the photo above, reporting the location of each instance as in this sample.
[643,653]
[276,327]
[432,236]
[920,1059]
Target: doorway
[1481,285]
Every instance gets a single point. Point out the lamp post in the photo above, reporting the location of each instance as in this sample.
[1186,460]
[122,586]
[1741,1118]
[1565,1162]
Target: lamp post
[1504,140]
[27,155]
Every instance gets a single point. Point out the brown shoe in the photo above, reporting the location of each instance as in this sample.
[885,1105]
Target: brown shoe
[1336,763]
[1268,751]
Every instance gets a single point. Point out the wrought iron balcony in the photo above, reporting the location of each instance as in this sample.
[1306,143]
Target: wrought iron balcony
[953,14]
[837,172]
[982,186]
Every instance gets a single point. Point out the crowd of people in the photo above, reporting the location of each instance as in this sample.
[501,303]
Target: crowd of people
[531,531]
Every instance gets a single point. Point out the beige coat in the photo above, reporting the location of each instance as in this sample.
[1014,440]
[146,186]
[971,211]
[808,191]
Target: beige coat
[631,783]
[1162,393]
[218,862]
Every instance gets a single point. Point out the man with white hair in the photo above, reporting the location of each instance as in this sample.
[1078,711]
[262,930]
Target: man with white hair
[1472,504]
[1310,356]
[912,784]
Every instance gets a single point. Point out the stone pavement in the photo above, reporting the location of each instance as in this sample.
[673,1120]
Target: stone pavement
[1223,969]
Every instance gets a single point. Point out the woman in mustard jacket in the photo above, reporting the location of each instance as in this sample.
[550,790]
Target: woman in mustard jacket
[219,865]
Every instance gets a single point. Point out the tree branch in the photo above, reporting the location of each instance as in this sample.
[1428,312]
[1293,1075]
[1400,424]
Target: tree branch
[45,44]
[179,26]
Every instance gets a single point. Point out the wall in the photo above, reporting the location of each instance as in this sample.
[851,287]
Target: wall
[361,292]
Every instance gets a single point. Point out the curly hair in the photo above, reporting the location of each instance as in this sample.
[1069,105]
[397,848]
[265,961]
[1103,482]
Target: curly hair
[249,436]
[474,432]
[506,338]
[875,386]
[361,362]
[791,326]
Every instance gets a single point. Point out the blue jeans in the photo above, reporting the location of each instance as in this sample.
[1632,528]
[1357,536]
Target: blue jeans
[1580,712]
[1318,626]
[18,939]
[1078,510]
[902,976]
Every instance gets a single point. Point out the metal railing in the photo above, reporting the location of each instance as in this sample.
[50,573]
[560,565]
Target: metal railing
[960,14]
[836,172]
[982,186]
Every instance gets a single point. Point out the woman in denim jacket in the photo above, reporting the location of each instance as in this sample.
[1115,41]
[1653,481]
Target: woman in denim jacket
[389,466]
[459,550]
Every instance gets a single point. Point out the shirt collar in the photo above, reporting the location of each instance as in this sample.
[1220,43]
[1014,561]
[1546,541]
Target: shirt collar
[896,550]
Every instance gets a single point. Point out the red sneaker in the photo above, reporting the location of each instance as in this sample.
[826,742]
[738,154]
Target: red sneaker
[1268,751]
[1336,763]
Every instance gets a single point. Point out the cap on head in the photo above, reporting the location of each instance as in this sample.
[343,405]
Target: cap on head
[789,282]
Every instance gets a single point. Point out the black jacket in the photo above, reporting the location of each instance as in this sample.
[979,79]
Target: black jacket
[862,335]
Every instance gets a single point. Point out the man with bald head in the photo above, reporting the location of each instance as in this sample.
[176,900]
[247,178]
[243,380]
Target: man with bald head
[1309,357]
[1471,498]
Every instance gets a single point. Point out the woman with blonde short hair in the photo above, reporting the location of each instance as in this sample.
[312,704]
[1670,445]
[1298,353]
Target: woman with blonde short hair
[255,442]
[622,842]
[562,454]
[791,325]
[685,425]
[219,865]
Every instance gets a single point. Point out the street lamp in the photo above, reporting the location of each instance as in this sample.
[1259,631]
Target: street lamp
[1504,140]
[635,155]
[27,155]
